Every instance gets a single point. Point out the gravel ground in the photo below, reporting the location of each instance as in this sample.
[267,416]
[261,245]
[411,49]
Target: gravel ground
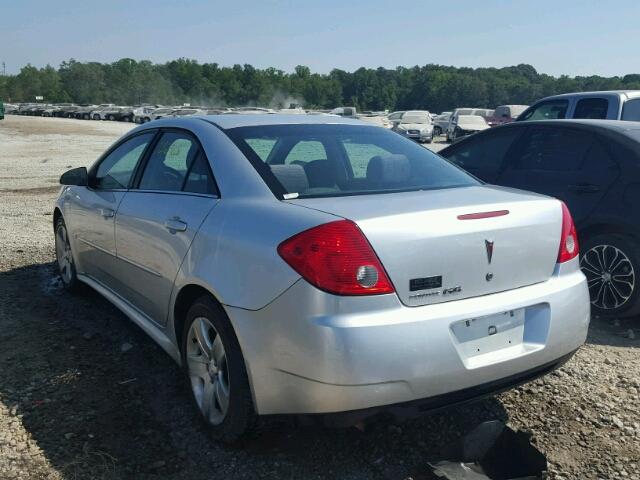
[85,394]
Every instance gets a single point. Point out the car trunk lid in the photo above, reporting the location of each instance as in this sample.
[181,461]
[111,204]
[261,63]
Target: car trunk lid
[450,244]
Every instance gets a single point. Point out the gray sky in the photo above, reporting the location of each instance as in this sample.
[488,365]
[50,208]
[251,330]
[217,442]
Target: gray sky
[556,37]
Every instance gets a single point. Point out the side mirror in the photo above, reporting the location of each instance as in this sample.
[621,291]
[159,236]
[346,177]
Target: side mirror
[75,176]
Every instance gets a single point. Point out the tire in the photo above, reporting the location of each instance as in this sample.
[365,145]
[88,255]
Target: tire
[126,119]
[64,258]
[96,117]
[111,117]
[146,119]
[611,264]
[208,334]
[85,116]
[437,131]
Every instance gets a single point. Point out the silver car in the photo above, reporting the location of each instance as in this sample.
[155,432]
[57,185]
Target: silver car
[305,264]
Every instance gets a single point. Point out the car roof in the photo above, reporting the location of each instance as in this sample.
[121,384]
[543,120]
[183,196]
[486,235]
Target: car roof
[233,121]
[627,93]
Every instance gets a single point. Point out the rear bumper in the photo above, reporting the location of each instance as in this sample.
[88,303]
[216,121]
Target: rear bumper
[309,352]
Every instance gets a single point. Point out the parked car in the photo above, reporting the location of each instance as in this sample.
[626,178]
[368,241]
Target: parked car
[609,105]
[142,114]
[125,114]
[185,112]
[505,114]
[110,113]
[10,108]
[97,113]
[378,120]
[84,112]
[1,110]
[464,125]
[394,117]
[415,124]
[290,263]
[440,123]
[159,113]
[591,165]
[347,112]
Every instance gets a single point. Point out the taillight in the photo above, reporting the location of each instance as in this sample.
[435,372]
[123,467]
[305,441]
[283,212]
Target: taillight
[337,258]
[568,238]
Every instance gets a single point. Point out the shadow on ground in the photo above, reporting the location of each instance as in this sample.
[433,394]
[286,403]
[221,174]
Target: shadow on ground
[103,401]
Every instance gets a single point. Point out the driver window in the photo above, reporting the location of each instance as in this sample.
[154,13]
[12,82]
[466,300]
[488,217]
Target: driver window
[169,163]
[116,169]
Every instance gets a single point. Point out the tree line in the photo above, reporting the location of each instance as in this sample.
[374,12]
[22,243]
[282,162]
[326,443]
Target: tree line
[430,87]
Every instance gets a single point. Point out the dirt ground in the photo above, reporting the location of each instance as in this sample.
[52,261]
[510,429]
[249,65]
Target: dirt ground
[84,394]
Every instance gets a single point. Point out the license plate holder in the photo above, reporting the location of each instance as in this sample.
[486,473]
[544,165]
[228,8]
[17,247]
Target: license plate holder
[482,335]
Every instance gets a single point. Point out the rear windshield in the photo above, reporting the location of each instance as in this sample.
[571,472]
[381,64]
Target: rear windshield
[299,161]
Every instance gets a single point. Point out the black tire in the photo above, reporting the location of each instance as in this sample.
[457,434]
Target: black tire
[111,117]
[437,131]
[611,263]
[66,265]
[240,417]
[85,116]
[96,117]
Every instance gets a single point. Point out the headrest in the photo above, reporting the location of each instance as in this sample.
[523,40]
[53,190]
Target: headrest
[393,168]
[292,177]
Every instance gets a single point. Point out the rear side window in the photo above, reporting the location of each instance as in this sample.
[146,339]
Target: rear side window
[631,110]
[485,151]
[549,110]
[116,169]
[553,149]
[177,164]
[339,159]
[591,108]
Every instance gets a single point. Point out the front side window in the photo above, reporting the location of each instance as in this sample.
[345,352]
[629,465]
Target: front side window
[357,160]
[116,169]
[550,110]
[631,110]
[591,108]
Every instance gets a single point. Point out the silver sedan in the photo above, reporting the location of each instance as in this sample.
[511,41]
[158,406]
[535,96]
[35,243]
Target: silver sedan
[320,265]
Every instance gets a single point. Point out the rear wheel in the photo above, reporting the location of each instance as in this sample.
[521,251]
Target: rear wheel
[214,367]
[437,131]
[611,264]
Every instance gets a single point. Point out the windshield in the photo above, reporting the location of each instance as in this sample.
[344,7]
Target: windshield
[471,121]
[415,118]
[298,161]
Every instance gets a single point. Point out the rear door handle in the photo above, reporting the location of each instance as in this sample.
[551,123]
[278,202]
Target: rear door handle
[175,225]
[584,188]
[107,212]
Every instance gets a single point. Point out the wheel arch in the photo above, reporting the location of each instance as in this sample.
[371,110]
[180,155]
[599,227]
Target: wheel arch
[57,213]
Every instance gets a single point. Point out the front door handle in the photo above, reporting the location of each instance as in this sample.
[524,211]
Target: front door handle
[584,188]
[175,225]
[107,212]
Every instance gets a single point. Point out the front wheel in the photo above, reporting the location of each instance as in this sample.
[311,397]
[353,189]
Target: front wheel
[610,263]
[64,257]
[437,131]
[214,367]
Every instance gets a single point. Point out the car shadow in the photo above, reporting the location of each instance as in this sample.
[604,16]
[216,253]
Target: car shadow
[101,400]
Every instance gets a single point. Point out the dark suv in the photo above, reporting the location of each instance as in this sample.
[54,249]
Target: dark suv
[591,165]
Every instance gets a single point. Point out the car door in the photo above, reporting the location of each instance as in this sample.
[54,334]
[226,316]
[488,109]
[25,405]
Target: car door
[157,220]
[483,155]
[570,164]
[91,210]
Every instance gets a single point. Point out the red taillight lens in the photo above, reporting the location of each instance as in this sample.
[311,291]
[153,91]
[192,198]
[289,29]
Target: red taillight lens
[337,258]
[568,238]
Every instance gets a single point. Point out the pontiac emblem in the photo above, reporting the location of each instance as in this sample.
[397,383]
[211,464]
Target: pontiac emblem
[489,246]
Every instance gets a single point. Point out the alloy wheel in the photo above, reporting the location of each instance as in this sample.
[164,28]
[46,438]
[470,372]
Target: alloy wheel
[208,370]
[63,254]
[610,276]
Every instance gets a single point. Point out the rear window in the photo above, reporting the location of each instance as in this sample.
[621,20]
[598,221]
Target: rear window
[298,161]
